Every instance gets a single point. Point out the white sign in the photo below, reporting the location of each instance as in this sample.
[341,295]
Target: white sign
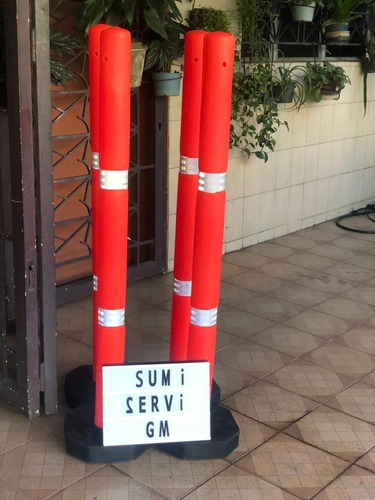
[156,403]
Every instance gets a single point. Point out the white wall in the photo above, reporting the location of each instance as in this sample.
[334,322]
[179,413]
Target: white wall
[323,167]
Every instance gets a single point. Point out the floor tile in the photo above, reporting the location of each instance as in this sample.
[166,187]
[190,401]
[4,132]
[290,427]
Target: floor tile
[362,293]
[354,484]
[309,261]
[271,250]
[363,260]
[252,359]
[300,295]
[229,270]
[357,400]
[351,272]
[368,460]
[152,320]
[309,380]
[143,347]
[297,467]
[270,404]
[347,309]
[252,434]
[229,379]
[9,493]
[369,379]
[331,227]
[246,259]
[256,282]
[231,295]
[271,308]
[151,291]
[355,244]
[295,241]
[361,338]
[316,234]
[320,324]
[287,340]
[241,323]
[341,359]
[335,432]
[71,354]
[107,483]
[73,317]
[326,283]
[170,476]
[237,484]
[332,252]
[285,271]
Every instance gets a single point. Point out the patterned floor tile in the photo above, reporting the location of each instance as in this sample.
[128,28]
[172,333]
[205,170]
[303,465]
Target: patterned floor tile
[285,271]
[246,259]
[369,379]
[107,483]
[368,460]
[166,279]
[332,252]
[269,404]
[228,270]
[335,432]
[252,359]
[9,493]
[351,272]
[326,283]
[229,379]
[150,291]
[331,227]
[301,295]
[241,323]
[236,484]
[231,295]
[41,467]
[71,354]
[271,250]
[170,476]
[308,380]
[320,324]
[361,338]
[294,241]
[309,261]
[358,400]
[297,467]
[362,293]
[341,359]
[355,244]
[363,260]
[355,483]
[143,347]
[271,308]
[256,282]
[72,317]
[288,340]
[252,434]
[84,336]
[347,309]
[152,320]
[317,234]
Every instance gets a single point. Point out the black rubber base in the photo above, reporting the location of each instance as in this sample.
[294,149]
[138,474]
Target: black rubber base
[85,441]
[224,439]
[79,386]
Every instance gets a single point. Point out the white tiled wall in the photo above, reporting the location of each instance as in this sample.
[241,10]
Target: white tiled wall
[323,167]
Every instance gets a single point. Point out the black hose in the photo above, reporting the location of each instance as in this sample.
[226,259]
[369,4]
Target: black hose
[369,209]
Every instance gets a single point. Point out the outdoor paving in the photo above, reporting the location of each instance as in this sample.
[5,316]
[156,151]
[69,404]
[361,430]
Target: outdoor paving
[295,362]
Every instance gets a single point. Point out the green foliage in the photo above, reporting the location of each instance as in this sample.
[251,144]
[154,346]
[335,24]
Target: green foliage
[60,44]
[254,111]
[370,50]
[340,11]
[135,15]
[291,76]
[162,52]
[326,73]
[209,19]
[253,18]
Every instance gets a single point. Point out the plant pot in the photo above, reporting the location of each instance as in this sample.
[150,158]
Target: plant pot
[329,92]
[303,11]
[138,54]
[283,94]
[337,33]
[167,84]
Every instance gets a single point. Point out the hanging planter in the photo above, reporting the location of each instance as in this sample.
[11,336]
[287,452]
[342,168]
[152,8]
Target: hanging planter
[283,94]
[167,84]
[330,92]
[337,33]
[138,54]
[303,10]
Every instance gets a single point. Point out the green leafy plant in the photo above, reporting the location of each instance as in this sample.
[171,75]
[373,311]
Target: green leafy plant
[318,76]
[340,11]
[209,19]
[163,51]
[290,77]
[255,116]
[253,18]
[369,63]
[60,44]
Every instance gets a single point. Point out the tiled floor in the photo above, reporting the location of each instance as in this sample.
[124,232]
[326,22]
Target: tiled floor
[296,365]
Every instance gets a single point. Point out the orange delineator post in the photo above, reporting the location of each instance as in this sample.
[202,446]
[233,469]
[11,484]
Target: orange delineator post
[94,77]
[114,127]
[186,194]
[210,210]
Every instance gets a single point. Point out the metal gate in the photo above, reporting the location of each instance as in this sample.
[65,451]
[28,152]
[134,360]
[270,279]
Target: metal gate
[27,313]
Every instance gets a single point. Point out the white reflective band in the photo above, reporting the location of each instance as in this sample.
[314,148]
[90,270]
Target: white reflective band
[203,317]
[182,288]
[111,317]
[95,161]
[114,179]
[188,165]
[95,283]
[211,183]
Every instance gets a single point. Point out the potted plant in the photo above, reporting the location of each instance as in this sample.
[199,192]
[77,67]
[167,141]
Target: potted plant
[368,65]
[338,14]
[209,19]
[161,54]
[325,81]
[303,10]
[288,85]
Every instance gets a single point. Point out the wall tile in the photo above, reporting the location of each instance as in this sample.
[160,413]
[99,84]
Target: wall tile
[172,188]
[266,210]
[311,163]
[174,147]
[326,123]
[297,166]
[336,157]
[294,226]
[359,153]
[281,206]
[298,131]
[235,179]
[347,161]
[321,199]
[324,160]
[308,222]
[233,220]
[268,174]
[334,187]
[280,231]
[171,237]
[370,151]
[295,204]
[283,167]
[251,215]
[252,170]
[308,200]
[283,136]
[232,246]
[266,235]
[356,186]
[313,125]
[344,124]
[249,241]
[318,219]
[367,183]
[346,184]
